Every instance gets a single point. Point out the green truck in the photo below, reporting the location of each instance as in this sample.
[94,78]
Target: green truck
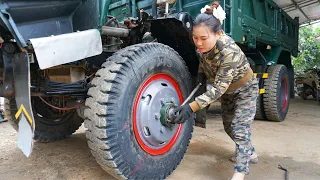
[120,65]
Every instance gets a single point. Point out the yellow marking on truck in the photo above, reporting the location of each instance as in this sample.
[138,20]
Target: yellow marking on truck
[265,75]
[261,75]
[23,109]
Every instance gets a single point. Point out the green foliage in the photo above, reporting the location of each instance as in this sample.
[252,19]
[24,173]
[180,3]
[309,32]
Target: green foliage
[309,48]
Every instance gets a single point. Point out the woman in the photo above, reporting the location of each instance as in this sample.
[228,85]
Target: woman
[226,66]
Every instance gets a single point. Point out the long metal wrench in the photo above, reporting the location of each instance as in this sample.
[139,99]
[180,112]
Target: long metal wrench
[173,113]
[191,94]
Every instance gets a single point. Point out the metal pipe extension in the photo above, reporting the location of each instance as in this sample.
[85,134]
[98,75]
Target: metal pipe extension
[191,94]
[113,31]
[154,9]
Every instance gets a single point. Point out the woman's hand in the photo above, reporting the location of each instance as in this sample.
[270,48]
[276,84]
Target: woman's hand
[183,113]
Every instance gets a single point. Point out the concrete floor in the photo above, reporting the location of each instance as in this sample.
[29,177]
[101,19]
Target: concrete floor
[294,143]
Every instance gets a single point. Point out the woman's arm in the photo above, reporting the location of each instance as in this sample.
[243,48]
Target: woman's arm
[224,76]
[200,68]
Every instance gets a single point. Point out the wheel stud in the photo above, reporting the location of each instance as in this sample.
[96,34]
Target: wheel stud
[162,130]
[157,116]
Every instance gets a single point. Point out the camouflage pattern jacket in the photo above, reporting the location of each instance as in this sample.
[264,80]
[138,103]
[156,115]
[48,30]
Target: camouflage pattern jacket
[223,65]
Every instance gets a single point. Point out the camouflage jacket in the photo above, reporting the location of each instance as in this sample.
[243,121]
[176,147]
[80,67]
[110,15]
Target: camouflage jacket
[223,65]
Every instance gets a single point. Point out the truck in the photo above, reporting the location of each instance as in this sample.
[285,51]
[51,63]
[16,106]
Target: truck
[119,66]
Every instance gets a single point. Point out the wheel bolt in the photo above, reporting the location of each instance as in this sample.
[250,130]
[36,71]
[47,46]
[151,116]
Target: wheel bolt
[157,116]
[162,102]
[162,130]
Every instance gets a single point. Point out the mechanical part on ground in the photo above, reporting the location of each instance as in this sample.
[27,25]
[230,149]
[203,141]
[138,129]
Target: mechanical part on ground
[286,177]
[308,83]
[168,113]
[113,31]
[126,95]
[276,98]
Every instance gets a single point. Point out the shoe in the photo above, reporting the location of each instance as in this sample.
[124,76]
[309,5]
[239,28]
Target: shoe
[253,158]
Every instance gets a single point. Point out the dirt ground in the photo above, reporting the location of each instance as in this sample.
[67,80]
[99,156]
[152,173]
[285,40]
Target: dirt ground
[294,143]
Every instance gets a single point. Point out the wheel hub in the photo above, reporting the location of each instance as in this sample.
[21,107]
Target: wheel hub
[167,114]
[154,105]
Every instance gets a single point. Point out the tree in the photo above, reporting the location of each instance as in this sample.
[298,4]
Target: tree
[309,48]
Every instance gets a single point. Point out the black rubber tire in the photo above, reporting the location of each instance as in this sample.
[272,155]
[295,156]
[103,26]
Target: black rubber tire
[110,105]
[45,132]
[260,113]
[272,96]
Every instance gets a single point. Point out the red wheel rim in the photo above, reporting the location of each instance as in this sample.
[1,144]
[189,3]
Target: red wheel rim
[143,145]
[284,93]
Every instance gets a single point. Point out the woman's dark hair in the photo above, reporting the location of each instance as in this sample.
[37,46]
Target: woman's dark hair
[209,20]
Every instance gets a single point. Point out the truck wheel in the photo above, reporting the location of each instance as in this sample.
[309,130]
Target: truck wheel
[260,114]
[49,125]
[276,98]
[124,132]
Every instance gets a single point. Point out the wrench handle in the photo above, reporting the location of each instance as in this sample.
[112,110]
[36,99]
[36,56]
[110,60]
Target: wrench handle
[191,94]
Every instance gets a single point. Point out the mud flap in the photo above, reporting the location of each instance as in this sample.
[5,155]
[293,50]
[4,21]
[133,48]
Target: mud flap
[21,71]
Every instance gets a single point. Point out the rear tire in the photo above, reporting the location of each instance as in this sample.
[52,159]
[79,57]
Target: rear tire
[276,98]
[47,129]
[260,113]
[114,112]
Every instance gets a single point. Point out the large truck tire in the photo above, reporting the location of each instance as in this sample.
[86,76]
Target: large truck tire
[276,99]
[260,113]
[124,132]
[48,126]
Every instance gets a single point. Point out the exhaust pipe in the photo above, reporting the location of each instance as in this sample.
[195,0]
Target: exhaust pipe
[113,31]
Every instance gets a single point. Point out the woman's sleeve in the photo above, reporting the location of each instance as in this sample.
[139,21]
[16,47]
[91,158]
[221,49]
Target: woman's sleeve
[224,76]
[200,68]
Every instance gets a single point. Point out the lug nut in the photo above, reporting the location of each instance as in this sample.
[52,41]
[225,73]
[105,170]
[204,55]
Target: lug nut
[162,130]
[157,116]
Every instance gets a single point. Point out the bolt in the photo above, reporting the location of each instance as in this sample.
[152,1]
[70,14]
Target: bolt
[162,102]
[162,130]
[172,100]
[157,116]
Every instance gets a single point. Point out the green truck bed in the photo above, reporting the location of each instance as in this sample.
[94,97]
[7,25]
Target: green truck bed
[252,22]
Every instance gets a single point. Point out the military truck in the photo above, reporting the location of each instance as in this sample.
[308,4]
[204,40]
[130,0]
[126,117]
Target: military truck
[120,65]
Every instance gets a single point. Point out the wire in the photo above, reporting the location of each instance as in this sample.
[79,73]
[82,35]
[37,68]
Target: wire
[63,109]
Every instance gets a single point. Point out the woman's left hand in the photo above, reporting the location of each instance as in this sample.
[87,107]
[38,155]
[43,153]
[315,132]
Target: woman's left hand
[183,113]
